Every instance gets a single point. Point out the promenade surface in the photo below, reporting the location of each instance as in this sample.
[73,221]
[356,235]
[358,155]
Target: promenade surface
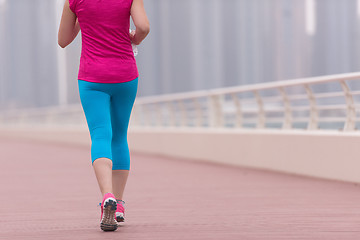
[49,191]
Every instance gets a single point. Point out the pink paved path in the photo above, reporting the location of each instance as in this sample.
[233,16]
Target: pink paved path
[48,191]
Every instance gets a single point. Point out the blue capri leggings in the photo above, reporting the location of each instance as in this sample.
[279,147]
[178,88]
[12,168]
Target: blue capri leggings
[107,108]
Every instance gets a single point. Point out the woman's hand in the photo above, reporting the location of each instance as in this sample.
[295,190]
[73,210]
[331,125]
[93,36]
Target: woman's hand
[132,35]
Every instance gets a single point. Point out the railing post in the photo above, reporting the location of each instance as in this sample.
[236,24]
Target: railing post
[183,121]
[136,115]
[313,120]
[140,115]
[158,116]
[350,107]
[50,117]
[238,121]
[146,115]
[215,111]
[22,118]
[171,114]
[287,124]
[199,113]
[261,110]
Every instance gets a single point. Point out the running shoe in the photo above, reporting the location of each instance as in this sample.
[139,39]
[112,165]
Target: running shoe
[108,209]
[120,211]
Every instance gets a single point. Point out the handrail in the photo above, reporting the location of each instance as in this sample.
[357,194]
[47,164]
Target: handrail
[325,102]
[249,88]
[232,107]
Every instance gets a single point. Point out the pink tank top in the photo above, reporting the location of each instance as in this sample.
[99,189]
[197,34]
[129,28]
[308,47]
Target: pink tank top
[106,54]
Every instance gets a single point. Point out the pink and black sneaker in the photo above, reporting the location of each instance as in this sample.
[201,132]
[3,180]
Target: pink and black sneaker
[120,211]
[108,209]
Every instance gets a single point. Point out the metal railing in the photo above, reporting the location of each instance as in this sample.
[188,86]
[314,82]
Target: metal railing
[327,102]
[55,115]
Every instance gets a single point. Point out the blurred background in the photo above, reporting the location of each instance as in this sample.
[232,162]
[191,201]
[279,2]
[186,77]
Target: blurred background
[193,45]
[306,128]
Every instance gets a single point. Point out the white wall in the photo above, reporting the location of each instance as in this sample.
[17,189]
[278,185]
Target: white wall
[328,155]
[317,154]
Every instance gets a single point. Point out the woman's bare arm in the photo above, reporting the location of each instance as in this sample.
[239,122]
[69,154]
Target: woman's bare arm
[140,20]
[69,26]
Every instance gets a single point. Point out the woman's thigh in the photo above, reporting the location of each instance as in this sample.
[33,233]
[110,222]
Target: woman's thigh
[95,100]
[122,101]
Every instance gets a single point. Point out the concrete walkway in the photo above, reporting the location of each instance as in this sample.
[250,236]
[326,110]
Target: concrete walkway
[49,191]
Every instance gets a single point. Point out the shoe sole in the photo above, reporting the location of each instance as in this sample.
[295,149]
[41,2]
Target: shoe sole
[108,222]
[119,216]
[120,219]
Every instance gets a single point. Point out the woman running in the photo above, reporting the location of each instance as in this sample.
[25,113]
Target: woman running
[107,81]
